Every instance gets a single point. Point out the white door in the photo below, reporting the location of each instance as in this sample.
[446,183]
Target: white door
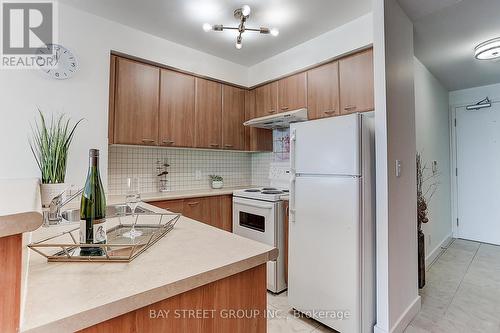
[327,146]
[478,174]
[324,250]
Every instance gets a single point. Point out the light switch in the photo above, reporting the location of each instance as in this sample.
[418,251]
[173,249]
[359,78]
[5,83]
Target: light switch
[398,168]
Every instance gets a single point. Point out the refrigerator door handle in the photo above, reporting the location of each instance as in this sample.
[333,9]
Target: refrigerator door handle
[291,208]
[293,139]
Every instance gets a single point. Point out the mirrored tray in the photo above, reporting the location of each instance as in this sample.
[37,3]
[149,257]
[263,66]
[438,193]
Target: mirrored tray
[65,247]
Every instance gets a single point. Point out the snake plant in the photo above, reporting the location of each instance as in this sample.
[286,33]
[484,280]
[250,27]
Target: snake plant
[50,144]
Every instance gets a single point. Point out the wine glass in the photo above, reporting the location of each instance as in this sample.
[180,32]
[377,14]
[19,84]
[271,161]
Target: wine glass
[133,198]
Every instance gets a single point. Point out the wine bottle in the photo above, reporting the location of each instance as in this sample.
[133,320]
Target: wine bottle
[93,209]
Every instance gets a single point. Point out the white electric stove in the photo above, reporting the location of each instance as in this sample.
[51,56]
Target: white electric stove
[258,214]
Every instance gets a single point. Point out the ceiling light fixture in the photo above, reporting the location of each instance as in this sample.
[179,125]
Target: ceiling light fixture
[241,14]
[488,50]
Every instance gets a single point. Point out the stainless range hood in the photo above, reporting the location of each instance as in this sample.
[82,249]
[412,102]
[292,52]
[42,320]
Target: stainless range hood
[280,120]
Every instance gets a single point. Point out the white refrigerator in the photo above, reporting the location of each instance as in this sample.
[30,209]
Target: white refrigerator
[331,273]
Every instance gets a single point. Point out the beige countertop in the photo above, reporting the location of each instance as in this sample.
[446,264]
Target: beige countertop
[185,194]
[20,208]
[65,297]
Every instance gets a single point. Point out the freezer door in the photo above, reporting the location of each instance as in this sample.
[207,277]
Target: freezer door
[324,251]
[329,146]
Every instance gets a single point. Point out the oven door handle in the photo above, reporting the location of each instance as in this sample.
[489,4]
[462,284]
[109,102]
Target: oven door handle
[253,205]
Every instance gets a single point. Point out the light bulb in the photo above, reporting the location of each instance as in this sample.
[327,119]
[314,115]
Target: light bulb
[245,10]
[275,32]
[238,45]
[207,27]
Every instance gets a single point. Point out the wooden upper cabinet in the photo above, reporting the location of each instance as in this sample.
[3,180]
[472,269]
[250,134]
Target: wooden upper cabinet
[323,91]
[176,109]
[256,139]
[208,114]
[136,103]
[266,99]
[356,83]
[292,93]
[233,116]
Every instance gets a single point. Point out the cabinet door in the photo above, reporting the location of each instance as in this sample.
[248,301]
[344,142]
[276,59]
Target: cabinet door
[356,83]
[323,91]
[196,209]
[226,213]
[136,103]
[176,109]
[266,100]
[256,139]
[292,92]
[208,114]
[175,206]
[111,105]
[233,116]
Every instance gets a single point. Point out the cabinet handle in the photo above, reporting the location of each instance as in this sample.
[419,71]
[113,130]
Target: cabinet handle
[168,142]
[228,145]
[350,107]
[271,111]
[330,112]
[193,203]
[148,140]
[214,145]
[284,108]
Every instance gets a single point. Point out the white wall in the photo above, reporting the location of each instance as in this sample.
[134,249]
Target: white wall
[433,141]
[397,292]
[354,35]
[474,95]
[86,95]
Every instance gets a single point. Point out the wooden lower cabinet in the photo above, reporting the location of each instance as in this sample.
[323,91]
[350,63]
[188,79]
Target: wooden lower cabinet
[205,309]
[216,211]
[10,280]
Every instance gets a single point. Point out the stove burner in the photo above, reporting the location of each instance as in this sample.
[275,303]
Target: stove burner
[253,190]
[269,189]
[272,192]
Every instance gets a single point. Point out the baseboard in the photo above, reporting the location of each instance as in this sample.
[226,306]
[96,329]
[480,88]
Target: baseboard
[437,251]
[404,320]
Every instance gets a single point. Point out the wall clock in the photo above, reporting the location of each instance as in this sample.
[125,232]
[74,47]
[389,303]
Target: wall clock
[64,64]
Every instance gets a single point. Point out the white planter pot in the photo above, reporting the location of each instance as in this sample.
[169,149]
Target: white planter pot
[49,191]
[216,184]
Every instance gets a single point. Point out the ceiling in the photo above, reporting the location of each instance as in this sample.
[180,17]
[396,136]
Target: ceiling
[181,21]
[446,33]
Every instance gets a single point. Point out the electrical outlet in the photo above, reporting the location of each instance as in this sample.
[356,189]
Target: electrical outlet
[197,175]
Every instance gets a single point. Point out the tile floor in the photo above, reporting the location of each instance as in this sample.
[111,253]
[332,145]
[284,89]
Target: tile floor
[283,320]
[462,294]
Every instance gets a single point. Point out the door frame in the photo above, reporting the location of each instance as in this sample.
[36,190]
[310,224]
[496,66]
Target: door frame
[453,164]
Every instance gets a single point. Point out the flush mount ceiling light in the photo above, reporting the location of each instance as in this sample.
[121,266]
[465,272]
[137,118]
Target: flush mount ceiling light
[488,50]
[241,14]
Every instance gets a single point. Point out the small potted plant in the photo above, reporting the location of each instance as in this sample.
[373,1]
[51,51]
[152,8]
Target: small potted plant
[216,181]
[50,144]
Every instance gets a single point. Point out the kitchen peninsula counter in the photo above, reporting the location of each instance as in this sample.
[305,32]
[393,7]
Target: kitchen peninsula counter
[195,266]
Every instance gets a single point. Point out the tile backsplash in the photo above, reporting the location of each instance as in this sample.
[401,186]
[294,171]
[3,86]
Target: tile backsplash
[189,168]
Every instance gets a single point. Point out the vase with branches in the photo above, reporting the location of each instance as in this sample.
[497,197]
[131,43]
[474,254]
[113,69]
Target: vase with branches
[427,185]
[50,143]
